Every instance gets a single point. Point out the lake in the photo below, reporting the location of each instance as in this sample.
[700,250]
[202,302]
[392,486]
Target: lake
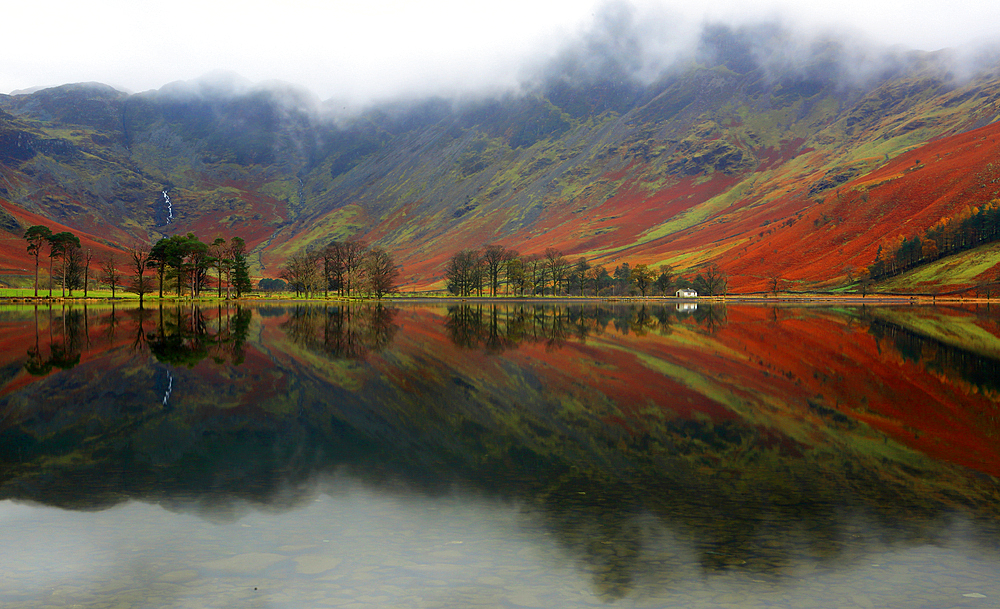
[499,455]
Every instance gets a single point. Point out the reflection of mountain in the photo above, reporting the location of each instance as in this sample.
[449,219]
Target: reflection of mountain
[774,425]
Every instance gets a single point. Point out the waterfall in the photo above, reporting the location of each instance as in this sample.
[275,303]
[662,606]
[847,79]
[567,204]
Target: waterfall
[170,208]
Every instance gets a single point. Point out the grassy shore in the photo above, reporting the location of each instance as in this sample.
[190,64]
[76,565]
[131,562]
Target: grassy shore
[26,295]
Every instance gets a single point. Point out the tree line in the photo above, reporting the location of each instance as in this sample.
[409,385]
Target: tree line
[73,270]
[180,262]
[496,270]
[969,228]
[346,268]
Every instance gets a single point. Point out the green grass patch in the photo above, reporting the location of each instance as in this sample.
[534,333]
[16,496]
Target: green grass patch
[698,214]
[960,269]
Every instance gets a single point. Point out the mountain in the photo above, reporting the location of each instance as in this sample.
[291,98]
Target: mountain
[803,168]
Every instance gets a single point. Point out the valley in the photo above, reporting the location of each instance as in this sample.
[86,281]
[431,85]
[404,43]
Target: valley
[806,174]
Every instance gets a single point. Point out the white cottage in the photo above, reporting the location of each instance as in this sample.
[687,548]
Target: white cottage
[687,293]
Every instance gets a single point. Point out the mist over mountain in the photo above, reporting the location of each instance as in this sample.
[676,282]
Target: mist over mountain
[742,145]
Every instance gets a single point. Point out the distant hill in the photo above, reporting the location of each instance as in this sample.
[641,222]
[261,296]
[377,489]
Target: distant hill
[800,172]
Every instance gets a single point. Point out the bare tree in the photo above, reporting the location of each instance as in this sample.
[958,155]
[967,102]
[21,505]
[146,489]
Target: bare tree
[301,273]
[558,266]
[774,282]
[381,272]
[353,258]
[464,273]
[333,267]
[88,257]
[111,276]
[713,282]
[493,258]
[140,258]
[536,272]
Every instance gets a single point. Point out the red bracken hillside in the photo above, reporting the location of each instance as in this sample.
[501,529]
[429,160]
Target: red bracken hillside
[800,176]
[842,232]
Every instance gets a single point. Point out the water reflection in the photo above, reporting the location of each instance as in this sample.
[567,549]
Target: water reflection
[341,331]
[184,335]
[932,353]
[650,447]
[62,347]
[498,327]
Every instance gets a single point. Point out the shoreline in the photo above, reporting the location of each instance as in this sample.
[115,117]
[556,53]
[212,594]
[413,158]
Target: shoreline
[755,299]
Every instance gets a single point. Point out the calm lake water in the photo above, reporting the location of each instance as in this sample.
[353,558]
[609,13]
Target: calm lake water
[512,455]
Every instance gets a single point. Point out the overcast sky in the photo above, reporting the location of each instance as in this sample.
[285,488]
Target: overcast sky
[361,50]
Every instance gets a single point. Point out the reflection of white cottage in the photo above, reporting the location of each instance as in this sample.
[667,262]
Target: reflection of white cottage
[687,293]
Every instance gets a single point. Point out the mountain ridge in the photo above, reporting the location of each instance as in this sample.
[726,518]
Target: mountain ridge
[727,162]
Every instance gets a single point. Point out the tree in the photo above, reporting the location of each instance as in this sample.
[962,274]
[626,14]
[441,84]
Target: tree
[219,252]
[241,268]
[665,279]
[333,256]
[463,273]
[139,255]
[59,244]
[353,257]
[36,236]
[493,258]
[73,270]
[623,278]
[580,269]
[514,272]
[88,257]
[600,279]
[183,258]
[557,266]
[111,276]
[642,277]
[198,263]
[713,282]
[774,282]
[167,254]
[272,285]
[536,269]
[301,273]
[381,272]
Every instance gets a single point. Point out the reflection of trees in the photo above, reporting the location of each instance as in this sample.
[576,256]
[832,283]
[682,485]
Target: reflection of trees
[342,331]
[712,317]
[64,342]
[978,370]
[138,318]
[497,327]
[738,497]
[184,335]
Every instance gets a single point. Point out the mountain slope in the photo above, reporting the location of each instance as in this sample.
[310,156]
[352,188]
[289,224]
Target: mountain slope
[801,172]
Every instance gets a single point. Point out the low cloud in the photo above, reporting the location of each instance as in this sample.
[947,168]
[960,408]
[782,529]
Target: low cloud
[357,54]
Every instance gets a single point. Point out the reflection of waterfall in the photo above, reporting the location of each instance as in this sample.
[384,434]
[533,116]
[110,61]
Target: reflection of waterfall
[170,387]
[170,207]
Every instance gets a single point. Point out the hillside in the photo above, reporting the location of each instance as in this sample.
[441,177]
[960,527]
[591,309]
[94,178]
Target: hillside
[801,172]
